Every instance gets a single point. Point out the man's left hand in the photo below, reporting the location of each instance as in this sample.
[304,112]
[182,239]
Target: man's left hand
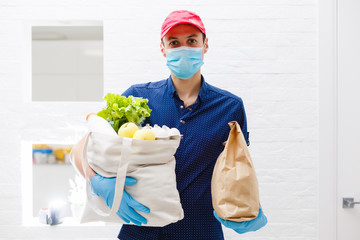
[247,226]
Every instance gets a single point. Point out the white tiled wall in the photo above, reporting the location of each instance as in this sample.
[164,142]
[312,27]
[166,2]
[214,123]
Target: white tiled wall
[263,51]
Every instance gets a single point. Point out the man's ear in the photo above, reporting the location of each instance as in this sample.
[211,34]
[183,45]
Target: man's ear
[162,49]
[206,45]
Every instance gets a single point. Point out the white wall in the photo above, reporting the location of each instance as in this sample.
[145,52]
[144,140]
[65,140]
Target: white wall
[264,51]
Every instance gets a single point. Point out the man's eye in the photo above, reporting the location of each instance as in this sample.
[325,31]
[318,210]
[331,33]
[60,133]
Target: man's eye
[173,43]
[192,41]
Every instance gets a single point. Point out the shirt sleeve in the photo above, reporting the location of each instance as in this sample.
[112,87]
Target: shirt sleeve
[129,91]
[241,119]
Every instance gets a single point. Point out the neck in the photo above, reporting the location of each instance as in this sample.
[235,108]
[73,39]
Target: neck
[187,89]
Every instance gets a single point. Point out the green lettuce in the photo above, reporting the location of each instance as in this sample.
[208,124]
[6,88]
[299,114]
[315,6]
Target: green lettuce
[121,109]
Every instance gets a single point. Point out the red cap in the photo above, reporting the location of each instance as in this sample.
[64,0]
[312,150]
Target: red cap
[179,17]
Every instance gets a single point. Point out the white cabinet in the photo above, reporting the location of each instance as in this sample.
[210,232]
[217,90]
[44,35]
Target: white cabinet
[67,70]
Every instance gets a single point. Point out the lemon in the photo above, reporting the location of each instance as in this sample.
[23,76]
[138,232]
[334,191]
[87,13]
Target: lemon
[128,129]
[144,134]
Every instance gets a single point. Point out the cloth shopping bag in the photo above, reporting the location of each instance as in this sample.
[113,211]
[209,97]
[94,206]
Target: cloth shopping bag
[234,185]
[151,163]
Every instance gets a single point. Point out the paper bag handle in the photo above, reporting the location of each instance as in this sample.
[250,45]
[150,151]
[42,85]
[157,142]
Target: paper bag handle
[120,177]
[237,126]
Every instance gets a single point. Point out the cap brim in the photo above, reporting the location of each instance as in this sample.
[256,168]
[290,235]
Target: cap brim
[177,23]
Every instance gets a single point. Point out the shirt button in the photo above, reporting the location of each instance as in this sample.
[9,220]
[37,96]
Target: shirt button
[182,121]
[181,106]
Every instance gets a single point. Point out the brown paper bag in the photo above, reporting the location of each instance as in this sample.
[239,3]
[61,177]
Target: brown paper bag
[234,186]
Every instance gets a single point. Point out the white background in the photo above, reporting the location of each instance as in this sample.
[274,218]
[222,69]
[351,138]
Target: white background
[263,51]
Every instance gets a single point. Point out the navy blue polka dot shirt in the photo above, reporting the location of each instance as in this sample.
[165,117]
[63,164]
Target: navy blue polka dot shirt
[204,126]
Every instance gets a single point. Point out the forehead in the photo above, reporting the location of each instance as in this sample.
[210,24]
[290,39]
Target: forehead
[182,30]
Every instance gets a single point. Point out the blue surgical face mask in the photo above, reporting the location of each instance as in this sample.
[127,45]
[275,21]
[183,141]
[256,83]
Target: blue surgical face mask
[184,62]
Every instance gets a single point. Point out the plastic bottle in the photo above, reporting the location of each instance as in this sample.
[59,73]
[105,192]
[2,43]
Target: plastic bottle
[99,124]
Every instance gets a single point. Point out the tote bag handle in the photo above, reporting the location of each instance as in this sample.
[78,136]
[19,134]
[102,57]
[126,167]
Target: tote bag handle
[120,178]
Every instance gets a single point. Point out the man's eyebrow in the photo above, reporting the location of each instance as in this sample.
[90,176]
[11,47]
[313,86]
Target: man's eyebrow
[171,38]
[190,36]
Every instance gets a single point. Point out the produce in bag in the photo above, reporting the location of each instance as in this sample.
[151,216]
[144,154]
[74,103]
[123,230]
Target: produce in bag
[121,109]
[151,163]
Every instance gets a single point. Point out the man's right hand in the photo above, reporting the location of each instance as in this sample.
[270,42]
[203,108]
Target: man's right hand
[105,188]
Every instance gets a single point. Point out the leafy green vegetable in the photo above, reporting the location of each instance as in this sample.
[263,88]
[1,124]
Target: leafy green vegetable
[120,109]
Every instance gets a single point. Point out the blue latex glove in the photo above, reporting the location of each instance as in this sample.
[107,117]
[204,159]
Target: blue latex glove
[247,226]
[105,188]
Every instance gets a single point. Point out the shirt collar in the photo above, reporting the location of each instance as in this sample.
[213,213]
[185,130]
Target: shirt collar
[202,93]
[171,87]
[203,90]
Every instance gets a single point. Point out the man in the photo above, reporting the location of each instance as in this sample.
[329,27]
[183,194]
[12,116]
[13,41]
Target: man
[201,112]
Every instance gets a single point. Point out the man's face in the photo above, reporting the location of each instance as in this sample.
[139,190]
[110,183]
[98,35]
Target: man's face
[183,35]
